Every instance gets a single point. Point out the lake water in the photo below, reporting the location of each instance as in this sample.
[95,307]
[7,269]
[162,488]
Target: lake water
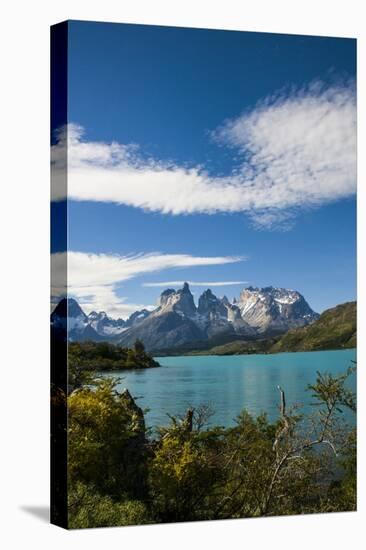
[229,384]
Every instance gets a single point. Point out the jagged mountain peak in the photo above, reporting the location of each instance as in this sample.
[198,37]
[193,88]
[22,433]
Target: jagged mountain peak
[177,321]
[208,294]
[164,296]
[137,317]
[180,301]
[274,309]
[208,302]
[68,307]
[168,291]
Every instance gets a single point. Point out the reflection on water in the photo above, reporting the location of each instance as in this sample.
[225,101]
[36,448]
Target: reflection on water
[229,384]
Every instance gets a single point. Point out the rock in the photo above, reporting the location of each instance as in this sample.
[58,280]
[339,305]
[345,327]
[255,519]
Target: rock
[177,322]
[137,415]
[272,309]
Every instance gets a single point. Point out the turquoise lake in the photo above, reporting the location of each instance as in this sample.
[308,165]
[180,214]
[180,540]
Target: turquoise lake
[229,384]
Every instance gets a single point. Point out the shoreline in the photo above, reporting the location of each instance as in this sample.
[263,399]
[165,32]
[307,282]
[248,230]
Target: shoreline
[156,357]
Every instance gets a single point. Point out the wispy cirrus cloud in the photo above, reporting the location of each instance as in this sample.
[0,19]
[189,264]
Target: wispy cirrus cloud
[94,278]
[297,150]
[166,284]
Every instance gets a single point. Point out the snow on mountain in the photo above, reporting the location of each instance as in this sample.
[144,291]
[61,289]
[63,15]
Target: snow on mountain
[104,325]
[68,316]
[181,301]
[97,326]
[177,321]
[137,317]
[274,309]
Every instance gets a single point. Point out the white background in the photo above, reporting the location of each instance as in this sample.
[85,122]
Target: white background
[24,272]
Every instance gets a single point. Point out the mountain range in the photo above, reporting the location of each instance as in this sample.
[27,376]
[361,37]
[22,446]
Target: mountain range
[177,321]
[335,329]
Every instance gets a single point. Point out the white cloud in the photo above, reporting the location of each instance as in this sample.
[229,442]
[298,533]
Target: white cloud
[297,149]
[167,284]
[300,149]
[94,278]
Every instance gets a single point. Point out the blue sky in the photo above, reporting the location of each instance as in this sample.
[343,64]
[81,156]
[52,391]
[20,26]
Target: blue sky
[243,145]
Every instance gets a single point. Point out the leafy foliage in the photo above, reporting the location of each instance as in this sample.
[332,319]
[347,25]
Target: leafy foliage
[88,508]
[106,443]
[189,471]
[84,358]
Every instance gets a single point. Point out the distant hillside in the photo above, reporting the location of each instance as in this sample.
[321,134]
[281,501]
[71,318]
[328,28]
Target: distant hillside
[238,347]
[335,329]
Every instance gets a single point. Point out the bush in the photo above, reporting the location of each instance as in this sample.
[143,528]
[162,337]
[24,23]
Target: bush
[117,476]
[88,508]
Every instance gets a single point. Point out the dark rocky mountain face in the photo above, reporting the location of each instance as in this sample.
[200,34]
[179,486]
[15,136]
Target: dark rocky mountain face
[178,322]
[218,316]
[173,323]
[180,301]
[258,311]
[210,305]
[164,331]
[67,307]
[104,325]
[136,318]
[68,316]
[96,326]
[272,309]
